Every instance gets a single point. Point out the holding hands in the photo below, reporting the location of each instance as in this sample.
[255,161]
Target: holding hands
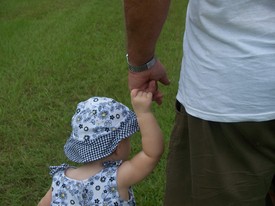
[141,101]
[148,81]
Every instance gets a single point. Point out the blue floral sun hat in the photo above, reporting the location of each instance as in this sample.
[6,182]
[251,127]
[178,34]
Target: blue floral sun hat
[98,125]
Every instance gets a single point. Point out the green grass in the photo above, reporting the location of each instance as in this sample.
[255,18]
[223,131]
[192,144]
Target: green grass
[53,54]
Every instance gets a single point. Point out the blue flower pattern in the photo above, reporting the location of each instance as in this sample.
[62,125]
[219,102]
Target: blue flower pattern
[98,190]
[105,117]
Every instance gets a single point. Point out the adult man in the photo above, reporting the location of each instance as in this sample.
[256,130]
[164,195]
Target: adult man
[222,148]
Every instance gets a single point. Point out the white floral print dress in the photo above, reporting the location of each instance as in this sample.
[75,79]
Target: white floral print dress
[98,190]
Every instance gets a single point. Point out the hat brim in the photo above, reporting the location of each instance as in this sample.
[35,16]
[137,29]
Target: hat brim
[102,146]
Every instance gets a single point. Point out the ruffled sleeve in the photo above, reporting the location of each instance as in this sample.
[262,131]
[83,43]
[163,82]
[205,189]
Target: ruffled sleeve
[55,169]
[112,163]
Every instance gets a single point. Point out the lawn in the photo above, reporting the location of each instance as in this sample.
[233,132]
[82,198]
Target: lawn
[53,54]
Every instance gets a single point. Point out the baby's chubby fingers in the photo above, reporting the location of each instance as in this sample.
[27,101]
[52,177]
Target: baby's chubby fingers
[149,95]
[141,94]
[134,92]
[141,100]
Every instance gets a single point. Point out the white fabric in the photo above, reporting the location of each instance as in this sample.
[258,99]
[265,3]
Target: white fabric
[228,69]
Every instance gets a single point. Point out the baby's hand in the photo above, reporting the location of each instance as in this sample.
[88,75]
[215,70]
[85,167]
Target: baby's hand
[141,101]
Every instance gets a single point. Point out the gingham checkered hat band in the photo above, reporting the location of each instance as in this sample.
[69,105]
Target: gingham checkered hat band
[99,124]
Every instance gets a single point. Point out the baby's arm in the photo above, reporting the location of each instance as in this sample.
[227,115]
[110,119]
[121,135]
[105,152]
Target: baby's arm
[142,164]
[46,200]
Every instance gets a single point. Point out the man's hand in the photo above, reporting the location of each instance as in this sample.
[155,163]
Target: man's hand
[148,80]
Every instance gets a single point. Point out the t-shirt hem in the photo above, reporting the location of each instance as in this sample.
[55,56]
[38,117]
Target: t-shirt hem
[228,117]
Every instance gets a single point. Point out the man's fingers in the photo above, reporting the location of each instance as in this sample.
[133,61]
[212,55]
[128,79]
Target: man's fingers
[164,80]
[152,87]
[157,97]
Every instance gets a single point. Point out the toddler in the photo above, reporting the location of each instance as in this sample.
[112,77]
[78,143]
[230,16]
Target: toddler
[101,128]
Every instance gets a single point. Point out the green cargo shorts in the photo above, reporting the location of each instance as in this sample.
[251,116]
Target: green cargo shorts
[219,164]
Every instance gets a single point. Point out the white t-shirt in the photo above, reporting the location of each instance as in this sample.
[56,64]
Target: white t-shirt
[228,68]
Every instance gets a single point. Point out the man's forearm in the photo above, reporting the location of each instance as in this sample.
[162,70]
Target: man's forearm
[144,20]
